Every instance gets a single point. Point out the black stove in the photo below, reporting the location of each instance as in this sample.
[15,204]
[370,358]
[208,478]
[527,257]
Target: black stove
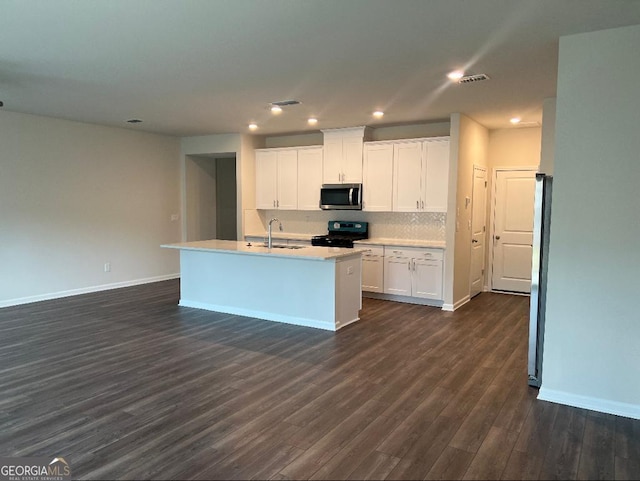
[342,234]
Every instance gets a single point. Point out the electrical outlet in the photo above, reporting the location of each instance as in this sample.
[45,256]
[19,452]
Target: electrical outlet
[349,270]
[174,217]
[107,266]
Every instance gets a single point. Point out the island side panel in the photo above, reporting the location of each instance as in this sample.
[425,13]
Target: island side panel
[348,290]
[291,290]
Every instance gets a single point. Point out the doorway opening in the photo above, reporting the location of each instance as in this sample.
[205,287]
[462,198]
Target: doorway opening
[211,197]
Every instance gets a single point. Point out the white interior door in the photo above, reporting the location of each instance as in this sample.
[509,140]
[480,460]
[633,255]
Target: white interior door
[478,229]
[513,230]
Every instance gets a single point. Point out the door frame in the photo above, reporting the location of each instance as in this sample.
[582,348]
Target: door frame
[494,185]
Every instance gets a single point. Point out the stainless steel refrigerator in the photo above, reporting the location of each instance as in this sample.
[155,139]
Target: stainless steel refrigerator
[540,261]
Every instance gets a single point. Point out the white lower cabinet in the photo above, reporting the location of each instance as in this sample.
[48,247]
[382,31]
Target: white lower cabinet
[397,276]
[373,270]
[427,279]
[413,272]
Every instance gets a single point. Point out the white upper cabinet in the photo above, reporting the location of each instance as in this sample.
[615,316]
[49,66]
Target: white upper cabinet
[332,161]
[352,160]
[277,179]
[266,179]
[378,173]
[342,162]
[397,175]
[309,178]
[436,175]
[287,180]
[407,178]
[421,175]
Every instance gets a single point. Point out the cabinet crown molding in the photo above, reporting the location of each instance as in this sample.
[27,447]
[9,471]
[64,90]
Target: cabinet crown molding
[360,131]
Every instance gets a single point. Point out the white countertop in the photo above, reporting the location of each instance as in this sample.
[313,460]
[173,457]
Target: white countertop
[236,247]
[383,241]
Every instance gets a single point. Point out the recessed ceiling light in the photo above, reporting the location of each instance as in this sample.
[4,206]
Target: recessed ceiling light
[455,75]
[515,120]
[312,121]
[378,114]
[253,126]
[276,109]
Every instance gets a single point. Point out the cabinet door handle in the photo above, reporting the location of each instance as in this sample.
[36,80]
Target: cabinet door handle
[277,203]
[417,204]
[409,265]
[274,203]
[422,204]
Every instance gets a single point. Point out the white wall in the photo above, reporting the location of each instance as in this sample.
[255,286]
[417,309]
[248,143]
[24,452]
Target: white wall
[469,147]
[548,148]
[591,349]
[201,192]
[74,196]
[514,147]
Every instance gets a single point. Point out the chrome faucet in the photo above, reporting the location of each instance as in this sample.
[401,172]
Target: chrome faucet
[269,243]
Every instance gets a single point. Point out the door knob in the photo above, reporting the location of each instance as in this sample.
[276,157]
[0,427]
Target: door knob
[497,237]
[475,241]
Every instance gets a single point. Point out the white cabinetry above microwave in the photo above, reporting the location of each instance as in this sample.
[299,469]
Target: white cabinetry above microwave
[342,163]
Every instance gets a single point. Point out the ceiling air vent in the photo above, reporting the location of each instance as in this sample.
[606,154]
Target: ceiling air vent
[473,78]
[286,103]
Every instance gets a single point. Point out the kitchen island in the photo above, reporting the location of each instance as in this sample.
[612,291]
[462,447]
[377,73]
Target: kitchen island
[308,286]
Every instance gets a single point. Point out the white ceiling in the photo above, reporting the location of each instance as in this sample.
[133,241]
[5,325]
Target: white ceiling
[192,67]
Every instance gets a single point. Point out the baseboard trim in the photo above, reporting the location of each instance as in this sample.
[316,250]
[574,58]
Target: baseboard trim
[456,305]
[85,290]
[406,299]
[268,316]
[587,402]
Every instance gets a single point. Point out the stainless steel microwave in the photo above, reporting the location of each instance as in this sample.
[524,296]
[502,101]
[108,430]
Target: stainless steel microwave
[341,197]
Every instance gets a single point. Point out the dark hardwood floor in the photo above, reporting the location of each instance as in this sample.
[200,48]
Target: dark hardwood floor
[127,385]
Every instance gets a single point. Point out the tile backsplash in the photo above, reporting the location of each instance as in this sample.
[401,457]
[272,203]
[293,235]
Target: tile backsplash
[395,225]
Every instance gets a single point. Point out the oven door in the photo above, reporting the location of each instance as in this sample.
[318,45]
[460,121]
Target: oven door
[341,197]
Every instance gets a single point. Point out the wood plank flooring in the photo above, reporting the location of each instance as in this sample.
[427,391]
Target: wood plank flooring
[125,384]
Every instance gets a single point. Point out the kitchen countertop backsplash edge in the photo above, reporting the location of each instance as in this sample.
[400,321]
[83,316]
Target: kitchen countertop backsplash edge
[371,241]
